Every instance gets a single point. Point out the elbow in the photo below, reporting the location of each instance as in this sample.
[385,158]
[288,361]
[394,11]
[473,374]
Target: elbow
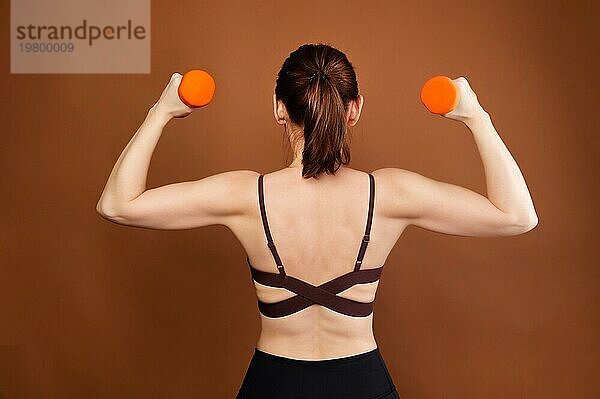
[103,209]
[108,212]
[99,208]
[523,225]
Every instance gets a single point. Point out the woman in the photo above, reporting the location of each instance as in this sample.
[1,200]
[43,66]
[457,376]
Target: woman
[315,279]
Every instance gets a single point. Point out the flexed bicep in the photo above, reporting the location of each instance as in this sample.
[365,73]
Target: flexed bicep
[212,200]
[444,207]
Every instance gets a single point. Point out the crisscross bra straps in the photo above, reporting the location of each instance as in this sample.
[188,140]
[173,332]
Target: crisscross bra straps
[308,294]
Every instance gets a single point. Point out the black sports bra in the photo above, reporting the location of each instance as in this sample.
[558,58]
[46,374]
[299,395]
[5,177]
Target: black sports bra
[308,294]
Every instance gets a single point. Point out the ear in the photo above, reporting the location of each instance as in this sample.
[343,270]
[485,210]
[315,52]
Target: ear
[278,110]
[354,110]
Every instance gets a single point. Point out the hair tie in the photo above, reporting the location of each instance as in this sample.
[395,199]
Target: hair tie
[322,75]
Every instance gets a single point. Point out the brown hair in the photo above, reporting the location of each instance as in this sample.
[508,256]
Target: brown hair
[316,84]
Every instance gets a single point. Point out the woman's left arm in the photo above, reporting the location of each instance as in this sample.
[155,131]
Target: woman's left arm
[183,205]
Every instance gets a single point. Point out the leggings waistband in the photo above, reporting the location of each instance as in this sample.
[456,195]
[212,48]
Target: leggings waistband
[340,361]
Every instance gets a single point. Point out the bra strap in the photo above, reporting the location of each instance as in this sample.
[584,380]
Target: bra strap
[366,237]
[265,222]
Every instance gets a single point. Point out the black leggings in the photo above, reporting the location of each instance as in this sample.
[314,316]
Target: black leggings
[361,376]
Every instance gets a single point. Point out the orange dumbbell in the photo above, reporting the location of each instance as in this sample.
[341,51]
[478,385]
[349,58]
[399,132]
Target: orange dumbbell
[196,88]
[440,95]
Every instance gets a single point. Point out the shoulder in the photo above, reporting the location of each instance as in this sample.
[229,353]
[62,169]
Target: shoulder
[395,190]
[236,177]
[234,190]
[237,183]
[230,195]
[396,179]
[229,182]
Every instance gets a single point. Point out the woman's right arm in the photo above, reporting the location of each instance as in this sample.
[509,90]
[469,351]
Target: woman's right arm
[451,209]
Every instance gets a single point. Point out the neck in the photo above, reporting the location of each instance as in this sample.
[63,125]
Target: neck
[296,163]
[298,149]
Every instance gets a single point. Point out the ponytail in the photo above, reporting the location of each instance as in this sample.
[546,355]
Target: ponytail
[325,147]
[316,84]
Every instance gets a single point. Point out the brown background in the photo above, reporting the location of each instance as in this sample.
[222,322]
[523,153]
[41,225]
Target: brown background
[90,309]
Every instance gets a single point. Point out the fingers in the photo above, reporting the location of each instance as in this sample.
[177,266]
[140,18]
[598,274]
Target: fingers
[462,81]
[175,78]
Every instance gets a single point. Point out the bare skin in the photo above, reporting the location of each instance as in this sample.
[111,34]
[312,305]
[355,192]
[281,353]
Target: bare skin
[317,225]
